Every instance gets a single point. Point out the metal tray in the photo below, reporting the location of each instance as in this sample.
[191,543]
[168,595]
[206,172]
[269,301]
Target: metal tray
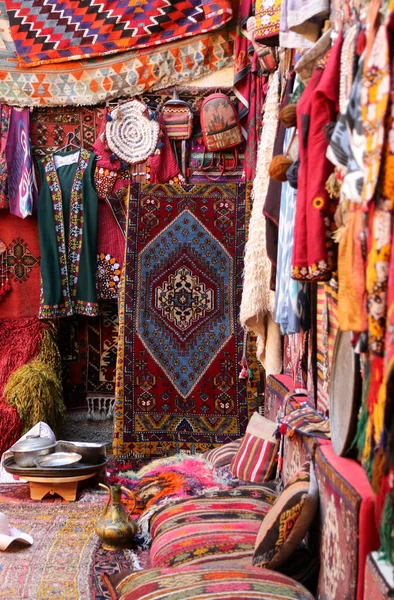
[79,468]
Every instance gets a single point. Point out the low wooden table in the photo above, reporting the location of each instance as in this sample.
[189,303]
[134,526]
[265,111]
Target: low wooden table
[66,487]
[63,482]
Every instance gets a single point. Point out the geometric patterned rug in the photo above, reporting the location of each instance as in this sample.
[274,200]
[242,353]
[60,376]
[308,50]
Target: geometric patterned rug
[53,31]
[180,342]
[66,560]
[93,81]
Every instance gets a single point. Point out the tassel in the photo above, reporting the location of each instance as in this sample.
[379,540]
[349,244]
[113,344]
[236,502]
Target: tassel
[108,118]
[250,374]
[283,429]
[244,373]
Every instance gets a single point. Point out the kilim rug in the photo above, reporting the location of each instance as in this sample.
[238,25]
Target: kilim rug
[58,31]
[94,81]
[327,327]
[66,560]
[23,266]
[179,340]
[347,525]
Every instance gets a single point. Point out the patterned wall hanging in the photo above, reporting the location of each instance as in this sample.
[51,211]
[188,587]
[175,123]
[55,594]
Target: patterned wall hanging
[177,384]
[128,74]
[22,258]
[58,31]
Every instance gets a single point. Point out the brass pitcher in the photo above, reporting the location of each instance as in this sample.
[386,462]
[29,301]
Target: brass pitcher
[114,526]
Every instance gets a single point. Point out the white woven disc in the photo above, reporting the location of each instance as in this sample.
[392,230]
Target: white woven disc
[131,135]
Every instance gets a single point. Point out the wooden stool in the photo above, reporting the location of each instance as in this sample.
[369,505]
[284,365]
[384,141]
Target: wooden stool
[66,487]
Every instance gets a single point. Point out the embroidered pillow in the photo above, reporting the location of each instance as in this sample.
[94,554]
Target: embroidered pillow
[288,521]
[222,456]
[256,456]
[195,583]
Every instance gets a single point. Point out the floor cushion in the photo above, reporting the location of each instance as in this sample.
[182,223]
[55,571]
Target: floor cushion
[288,521]
[210,528]
[194,583]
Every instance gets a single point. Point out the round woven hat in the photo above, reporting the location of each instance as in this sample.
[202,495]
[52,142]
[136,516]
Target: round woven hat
[131,134]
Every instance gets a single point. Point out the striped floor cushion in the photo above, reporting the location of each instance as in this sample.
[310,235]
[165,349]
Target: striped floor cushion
[210,529]
[194,583]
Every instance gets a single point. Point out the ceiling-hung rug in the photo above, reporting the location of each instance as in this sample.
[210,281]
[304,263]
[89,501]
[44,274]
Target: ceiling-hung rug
[53,31]
[177,380]
[92,81]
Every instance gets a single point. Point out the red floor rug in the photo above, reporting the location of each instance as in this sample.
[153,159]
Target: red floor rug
[180,343]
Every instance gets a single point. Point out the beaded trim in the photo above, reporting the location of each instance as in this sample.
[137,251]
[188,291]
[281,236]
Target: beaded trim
[68,259]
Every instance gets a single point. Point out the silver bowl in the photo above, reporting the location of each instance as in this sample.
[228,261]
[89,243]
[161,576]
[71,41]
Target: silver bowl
[57,459]
[27,450]
[91,452]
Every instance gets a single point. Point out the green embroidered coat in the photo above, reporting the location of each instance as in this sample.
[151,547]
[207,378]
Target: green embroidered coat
[67,221]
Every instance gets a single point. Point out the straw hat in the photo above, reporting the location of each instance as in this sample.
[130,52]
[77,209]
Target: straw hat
[9,534]
[132,133]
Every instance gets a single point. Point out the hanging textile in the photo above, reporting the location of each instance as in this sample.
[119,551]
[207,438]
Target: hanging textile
[292,302]
[22,266]
[177,382]
[91,82]
[272,202]
[22,189]
[305,17]
[257,305]
[5,114]
[248,88]
[287,37]
[67,220]
[375,92]
[313,254]
[74,31]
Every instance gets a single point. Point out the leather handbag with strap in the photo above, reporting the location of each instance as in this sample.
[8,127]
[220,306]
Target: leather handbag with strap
[220,129]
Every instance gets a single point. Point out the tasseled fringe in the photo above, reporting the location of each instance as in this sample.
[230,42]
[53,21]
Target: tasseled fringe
[100,408]
[49,352]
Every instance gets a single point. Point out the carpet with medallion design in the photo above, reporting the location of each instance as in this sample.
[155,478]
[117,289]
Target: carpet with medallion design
[180,342]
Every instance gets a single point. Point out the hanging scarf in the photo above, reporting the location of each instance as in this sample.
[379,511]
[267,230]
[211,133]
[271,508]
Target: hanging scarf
[249,88]
[258,301]
[22,189]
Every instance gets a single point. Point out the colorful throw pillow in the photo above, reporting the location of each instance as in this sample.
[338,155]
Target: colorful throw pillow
[195,583]
[222,456]
[288,521]
[255,460]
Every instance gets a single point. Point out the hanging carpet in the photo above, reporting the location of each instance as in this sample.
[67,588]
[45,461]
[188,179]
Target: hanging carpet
[22,259]
[96,80]
[177,385]
[53,31]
